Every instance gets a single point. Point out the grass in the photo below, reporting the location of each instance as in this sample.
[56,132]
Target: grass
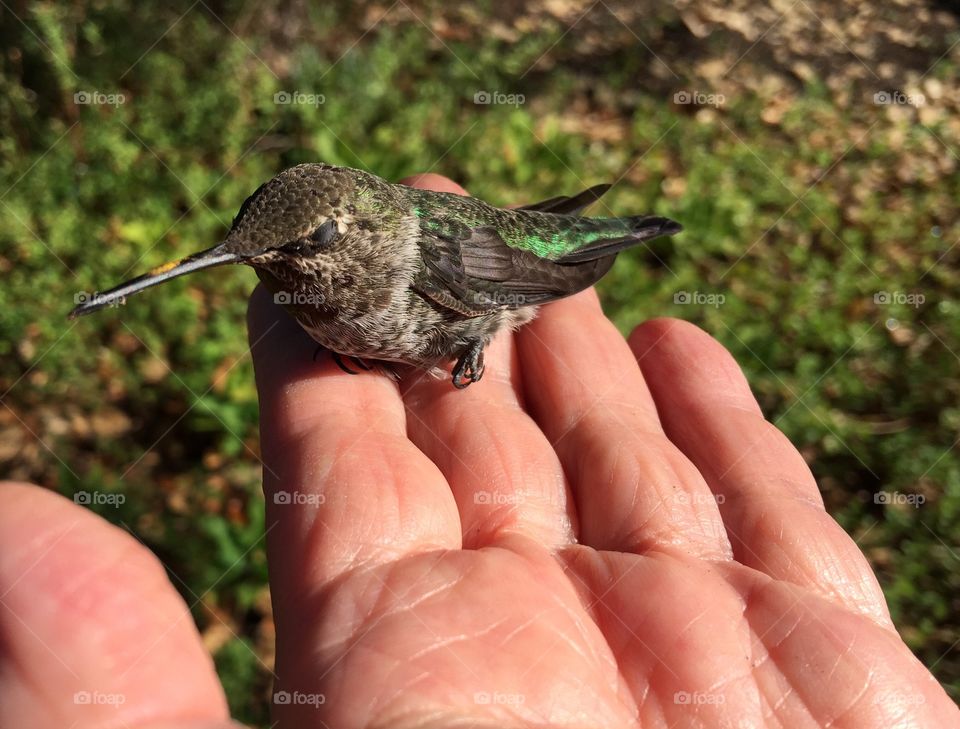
[818,248]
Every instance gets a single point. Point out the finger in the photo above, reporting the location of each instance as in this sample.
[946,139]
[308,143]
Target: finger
[634,490]
[771,507]
[93,632]
[431,181]
[344,486]
[504,475]
[502,472]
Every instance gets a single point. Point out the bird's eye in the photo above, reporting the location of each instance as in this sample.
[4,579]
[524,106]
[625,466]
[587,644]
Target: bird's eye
[324,234]
[314,242]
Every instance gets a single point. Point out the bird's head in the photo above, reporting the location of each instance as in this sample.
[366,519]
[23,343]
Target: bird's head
[294,217]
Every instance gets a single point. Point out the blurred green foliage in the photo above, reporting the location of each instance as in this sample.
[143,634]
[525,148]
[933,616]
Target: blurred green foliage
[800,224]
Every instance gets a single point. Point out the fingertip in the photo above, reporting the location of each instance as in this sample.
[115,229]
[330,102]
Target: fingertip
[431,181]
[654,331]
[672,350]
[88,609]
[70,540]
[13,493]
[28,512]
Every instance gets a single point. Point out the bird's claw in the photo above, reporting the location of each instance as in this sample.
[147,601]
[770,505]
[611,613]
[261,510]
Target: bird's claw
[469,367]
[338,360]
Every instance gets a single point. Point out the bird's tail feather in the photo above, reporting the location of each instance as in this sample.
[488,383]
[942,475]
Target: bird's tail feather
[623,233]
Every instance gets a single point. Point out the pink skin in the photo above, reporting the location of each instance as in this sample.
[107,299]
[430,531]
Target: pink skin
[601,533]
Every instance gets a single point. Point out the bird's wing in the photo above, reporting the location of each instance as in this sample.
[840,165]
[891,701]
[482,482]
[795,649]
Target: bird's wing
[569,205]
[472,271]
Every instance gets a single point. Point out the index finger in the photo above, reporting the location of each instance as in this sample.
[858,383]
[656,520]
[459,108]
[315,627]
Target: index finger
[343,483]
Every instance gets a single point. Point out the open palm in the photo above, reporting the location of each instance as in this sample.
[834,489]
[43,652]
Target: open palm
[600,533]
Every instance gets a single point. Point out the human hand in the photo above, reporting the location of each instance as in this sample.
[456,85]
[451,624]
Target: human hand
[573,541]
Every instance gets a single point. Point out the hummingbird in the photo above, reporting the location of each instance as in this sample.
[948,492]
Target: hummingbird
[379,271]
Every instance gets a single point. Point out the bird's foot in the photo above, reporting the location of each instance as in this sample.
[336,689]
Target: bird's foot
[338,360]
[469,367]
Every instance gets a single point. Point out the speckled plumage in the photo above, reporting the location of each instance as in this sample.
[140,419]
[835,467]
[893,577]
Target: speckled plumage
[382,271]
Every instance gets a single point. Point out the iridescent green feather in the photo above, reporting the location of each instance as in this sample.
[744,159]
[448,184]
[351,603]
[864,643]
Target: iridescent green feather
[543,234]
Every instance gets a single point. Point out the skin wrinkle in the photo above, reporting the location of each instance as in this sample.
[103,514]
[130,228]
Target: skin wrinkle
[560,437]
[590,601]
[392,721]
[505,640]
[834,589]
[358,573]
[599,656]
[749,594]
[509,517]
[606,656]
[460,425]
[624,411]
[784,697]
[318,533]
[404,687]
[503,461]
[734,480]
[385,719]
[790,689]
[450,455]
[559,637]
[450,640]
[642,538]
[773,439]
[846,649]
[856,699]
[356,649]
[308,423]
[635,444]
[446,586]
[342,445]
[354,641]
[737,503]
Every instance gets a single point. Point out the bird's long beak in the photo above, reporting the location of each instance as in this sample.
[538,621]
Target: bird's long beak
[216,256]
